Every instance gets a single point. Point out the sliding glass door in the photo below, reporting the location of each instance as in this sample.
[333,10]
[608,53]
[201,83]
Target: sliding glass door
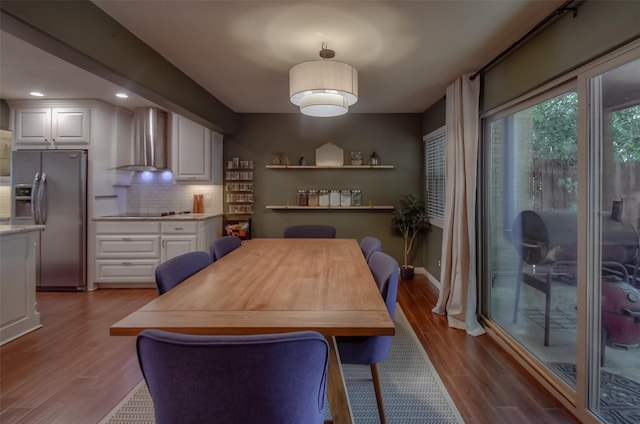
[559,235]
[531,217]
[612,223]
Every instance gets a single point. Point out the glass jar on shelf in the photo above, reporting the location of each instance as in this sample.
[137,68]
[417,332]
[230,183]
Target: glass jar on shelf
[334,198]
[313,198]
[323,198]
[302,198]
[356,198]
[345,198]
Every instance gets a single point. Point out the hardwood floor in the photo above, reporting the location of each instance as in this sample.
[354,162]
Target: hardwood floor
[72,371]
[486,385]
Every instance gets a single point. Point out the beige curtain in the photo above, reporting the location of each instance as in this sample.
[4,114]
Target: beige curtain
[458,295]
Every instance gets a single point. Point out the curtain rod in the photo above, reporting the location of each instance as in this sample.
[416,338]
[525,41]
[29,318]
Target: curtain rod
[559,11]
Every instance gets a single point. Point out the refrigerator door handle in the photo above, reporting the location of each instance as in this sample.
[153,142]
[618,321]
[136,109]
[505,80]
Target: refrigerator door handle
[42,199]
[34,197]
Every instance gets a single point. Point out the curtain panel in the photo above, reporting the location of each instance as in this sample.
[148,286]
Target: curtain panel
[458,292]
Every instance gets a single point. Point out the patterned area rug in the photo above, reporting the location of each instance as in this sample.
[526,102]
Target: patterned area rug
[413,390]
[619,396]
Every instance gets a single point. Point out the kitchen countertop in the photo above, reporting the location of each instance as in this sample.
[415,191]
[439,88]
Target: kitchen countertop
[176,217]
[8,229]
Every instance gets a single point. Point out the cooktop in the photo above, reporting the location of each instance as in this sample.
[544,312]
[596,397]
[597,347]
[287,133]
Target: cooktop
[149,214]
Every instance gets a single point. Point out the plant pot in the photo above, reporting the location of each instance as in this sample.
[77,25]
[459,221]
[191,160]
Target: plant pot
[406,272]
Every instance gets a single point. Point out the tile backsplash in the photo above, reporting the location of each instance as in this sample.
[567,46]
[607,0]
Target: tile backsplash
[151,194]
[5,201]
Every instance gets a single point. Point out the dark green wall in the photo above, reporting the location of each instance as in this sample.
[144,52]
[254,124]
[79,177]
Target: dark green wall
[434,117]
[4,115]
[566,44]
[395,137]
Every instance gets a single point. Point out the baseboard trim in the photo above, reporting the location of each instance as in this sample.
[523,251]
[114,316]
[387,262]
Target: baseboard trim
[433,280]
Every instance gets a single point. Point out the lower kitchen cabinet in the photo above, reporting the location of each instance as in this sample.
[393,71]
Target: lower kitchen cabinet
[18,262]
[209,231]
[127,252]
[178,238]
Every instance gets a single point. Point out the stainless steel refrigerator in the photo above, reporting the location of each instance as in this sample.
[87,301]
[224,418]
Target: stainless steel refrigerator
[49,187]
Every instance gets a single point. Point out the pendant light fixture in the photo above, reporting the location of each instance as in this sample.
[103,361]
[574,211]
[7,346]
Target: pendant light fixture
[323,87]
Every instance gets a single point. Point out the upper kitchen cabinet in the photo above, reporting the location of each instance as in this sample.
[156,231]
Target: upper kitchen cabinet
[51,127]
[196,152]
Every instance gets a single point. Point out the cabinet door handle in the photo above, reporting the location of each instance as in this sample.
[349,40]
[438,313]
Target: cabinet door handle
[164,243]
[126,238]
[126,263]
[178,228]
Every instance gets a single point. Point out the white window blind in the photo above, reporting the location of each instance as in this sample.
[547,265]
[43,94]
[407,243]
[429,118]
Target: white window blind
[435,181]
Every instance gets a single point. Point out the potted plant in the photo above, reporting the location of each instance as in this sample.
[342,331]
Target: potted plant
[410,219]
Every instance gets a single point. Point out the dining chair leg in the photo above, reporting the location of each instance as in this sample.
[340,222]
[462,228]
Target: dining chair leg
[378,389]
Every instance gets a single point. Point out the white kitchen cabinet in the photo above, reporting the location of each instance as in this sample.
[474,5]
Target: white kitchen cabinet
[46,127]
[127,251]
[18,312]
[191,150]
[178,237]
[209,231]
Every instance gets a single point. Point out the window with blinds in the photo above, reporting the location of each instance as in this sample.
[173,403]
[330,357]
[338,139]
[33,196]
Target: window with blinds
[435,183]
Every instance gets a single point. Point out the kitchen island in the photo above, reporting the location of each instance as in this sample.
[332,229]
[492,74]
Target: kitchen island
[18,259]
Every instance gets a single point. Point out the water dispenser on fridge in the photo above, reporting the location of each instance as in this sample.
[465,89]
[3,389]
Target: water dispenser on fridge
[22,205]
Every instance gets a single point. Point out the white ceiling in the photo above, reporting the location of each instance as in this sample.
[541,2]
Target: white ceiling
[406,52]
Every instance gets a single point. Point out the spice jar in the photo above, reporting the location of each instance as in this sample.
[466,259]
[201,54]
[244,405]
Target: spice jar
[334,198]
[323,198]
[302,198]
[356,198]
[345,198]
[312,198]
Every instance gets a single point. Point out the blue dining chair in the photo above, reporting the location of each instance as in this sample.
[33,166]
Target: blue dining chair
[372,350]
[310,231]
[265,378]
[177,269]
[368,245]
[224,245]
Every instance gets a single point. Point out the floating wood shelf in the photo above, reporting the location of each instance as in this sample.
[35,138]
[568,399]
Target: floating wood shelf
[330,167]
[331,208]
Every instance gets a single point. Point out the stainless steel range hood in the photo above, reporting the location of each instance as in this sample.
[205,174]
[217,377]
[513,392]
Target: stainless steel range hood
[149,140]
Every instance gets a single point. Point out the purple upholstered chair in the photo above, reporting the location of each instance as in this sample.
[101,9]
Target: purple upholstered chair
[371,350]
[224,245]
[368,245]
[177,269]
[266,378]
[310,231]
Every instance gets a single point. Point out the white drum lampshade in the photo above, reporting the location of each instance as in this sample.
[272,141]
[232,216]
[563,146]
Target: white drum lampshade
[323,88]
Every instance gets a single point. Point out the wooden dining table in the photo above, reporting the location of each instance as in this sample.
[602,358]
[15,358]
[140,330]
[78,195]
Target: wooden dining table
[275,286]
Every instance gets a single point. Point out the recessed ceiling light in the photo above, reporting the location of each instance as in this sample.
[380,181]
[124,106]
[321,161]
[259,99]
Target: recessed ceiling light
[122,95]
[36,94]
